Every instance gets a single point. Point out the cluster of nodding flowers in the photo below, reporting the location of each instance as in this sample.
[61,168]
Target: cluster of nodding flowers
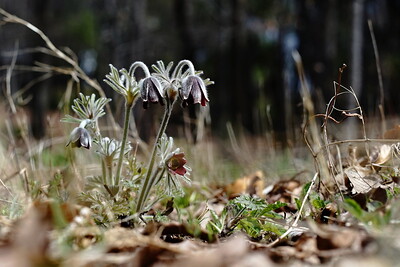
[164,86]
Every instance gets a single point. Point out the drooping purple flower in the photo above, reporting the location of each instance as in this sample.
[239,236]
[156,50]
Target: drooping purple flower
[193,91]
[80,137]
[151,90]
[176,164]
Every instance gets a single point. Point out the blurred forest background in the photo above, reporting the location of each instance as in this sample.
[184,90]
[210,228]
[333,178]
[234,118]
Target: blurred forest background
[244,46]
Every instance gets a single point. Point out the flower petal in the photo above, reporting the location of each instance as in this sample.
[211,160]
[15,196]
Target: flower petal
[193,91]
[74,136]
[85,138]
[181,171]
[176,162]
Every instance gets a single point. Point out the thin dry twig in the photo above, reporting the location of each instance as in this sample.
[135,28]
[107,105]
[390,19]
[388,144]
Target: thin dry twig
[8,80]
[346,113]
[6,187]
[31,83]
[77,71]
[68,56]
[294,224]
[328,113]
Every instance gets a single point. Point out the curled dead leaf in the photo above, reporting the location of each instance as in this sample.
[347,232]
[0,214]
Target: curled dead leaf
[381,155]
[252,184]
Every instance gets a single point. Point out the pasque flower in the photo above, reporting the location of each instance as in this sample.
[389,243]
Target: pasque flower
[89,110]
[176,163]
[172,160]
[80,137]
[193,91]
[151,90]
[172,168]
[150,87]
[110,149]
[185,82]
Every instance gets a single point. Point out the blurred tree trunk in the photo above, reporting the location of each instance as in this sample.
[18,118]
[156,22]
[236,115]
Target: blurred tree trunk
[290,42]
[356,62]
[331,43]
[39,102]
[182,15]
[222,109]
[237,60]
[357,46]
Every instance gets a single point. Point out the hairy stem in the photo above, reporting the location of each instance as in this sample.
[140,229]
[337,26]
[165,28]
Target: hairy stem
[149,180]
[128,107]
[180,66]
[110,174]
[103,171]
[140,64]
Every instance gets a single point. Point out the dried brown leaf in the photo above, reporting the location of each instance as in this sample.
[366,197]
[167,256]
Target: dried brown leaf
[122,239]
[379,194]
[332,237]
[328,214]
[253,259]
[365,261]
[381,155]
[228,253]
[252,184]
[174,232]
[393,133]
[362,179]
[31,236]
[285,191]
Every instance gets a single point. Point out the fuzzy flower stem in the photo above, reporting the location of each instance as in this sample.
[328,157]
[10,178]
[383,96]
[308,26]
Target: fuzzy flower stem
[159,177]
[128,107]
[110,173]
[180,65]
[150,178]
[103,171]
[105,182]
[140,64]
[84,123]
